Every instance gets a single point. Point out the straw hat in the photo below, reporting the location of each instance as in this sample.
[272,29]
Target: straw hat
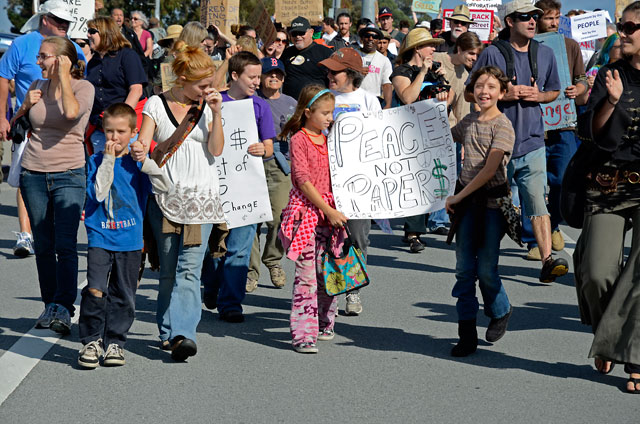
[460,13]
[173,32]
[418,37]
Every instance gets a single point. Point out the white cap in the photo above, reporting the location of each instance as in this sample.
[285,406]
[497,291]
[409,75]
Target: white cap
[57,8]
[424,24]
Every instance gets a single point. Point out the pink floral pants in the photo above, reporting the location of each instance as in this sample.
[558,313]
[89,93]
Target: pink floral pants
[311,309]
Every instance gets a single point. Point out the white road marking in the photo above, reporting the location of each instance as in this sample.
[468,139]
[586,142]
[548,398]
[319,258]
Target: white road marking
[569,240]
[25,354]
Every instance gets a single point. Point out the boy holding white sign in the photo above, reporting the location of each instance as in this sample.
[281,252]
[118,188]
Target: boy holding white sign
[225,278]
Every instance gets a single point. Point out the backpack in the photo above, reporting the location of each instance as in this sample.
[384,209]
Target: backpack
[506,50]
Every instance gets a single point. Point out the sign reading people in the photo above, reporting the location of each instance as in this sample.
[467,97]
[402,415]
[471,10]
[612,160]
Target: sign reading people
[221,13]
[243,186]
[287,10]
[82,11]
[395,163]
[585,27]
[482,22]
[560,113]
[426,6]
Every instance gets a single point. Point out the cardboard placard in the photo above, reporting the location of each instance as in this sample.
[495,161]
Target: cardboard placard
[586,27]
[484,4]
[261,21]
[167,75]
[482,22]
[426,6]
[287,10]
[394,163]
[82,11]
[221,13]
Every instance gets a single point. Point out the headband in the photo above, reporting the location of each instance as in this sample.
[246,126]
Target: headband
[317,96]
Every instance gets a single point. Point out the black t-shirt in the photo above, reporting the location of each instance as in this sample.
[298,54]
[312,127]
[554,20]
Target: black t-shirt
[411,72]
[303,69]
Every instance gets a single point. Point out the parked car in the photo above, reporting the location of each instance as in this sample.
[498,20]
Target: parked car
[6,40]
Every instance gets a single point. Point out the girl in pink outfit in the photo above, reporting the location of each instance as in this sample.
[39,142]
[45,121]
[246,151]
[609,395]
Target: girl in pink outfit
[309,218]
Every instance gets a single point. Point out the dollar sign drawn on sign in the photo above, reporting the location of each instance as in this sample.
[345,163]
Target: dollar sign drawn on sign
[437,173]
[237,140]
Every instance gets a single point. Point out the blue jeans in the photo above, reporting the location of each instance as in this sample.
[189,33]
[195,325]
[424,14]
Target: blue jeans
[54,202]
[179,304]
[561,146]
[478,260]
[227,276]
[438,219]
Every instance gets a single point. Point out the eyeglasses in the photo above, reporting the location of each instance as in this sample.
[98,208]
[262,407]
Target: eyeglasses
[295,34]
[93,31]
[526,17]
[370,35]
[628,27]
[42,57]
[280,40]
[135,18]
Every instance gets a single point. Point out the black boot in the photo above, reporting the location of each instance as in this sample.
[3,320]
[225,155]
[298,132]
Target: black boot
[468,338]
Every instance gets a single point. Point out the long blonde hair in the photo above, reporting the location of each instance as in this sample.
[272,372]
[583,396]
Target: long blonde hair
[193,34]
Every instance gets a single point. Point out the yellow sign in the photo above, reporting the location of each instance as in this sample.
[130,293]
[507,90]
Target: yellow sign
[221,13]
[287,10]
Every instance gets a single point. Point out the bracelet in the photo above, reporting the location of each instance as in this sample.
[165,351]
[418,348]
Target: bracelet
[610,102]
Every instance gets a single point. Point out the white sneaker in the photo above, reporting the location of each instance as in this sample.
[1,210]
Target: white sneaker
[114,356]
[354,305]
[24,245]
[89,355]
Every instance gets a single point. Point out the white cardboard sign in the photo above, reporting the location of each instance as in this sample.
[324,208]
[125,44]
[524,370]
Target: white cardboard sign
[484,4]
[82,11]
[394,163]
[243,185]
[586,27]
[482,22]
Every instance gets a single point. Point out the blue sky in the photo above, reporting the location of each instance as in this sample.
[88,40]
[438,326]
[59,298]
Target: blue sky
[567,5]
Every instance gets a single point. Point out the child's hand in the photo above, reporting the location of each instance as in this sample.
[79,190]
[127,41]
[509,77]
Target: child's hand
[137,151]
[450,203]
[256,149]
[336,218]
[110,148]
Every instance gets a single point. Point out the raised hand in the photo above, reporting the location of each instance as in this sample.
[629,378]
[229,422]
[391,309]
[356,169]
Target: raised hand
[613,83]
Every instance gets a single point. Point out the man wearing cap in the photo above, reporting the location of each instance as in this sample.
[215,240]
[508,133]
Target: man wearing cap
[276,169]
[385,19]
[377,81]
[302,58]
[383,47]
[459,21]
[19,64]
[344,37]
[521,104]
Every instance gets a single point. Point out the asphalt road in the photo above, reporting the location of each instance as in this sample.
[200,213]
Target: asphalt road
[391,364]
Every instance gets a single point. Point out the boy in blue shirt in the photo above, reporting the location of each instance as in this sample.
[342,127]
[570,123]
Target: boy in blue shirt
[118,185]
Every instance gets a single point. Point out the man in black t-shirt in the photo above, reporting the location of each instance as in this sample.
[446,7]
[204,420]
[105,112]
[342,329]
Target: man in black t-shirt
[301,60]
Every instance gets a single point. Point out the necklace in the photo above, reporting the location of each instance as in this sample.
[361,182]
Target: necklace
[176,100]
[317,146]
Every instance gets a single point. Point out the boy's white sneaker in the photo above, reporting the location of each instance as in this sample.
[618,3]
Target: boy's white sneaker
[89,355]
[114,356]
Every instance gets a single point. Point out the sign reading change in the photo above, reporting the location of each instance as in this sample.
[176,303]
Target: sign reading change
[243,186]
[395,163]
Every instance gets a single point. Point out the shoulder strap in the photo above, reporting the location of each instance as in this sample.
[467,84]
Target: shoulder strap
[533,59]
[167,148]
[505,49]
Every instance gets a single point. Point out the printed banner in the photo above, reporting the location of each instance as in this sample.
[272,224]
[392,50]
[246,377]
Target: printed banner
[221,13]
[395,163]
[425,6]
[287,10]
[243,185]
[82,11]
[589,26]
[482,22]
[261,21]
[561,113]
[484,4]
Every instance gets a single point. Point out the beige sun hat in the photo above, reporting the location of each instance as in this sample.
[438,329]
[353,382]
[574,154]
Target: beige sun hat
[460,13]
[173,32]
[418,37]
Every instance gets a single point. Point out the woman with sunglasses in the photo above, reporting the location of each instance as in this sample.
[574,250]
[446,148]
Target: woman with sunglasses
[83,43]
[139,24]
[53,179]
[278,45]
[116,72]
[607,284]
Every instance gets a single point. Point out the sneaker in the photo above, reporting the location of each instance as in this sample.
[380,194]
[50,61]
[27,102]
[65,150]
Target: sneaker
[553,268]
[114,356]
[497,327]
[45,318]
[89,355]
[61,322]
[533,254]
[326,334]
[278,277]
[557,241]
[354,306]
[416,245]
[251,286]
[24,245]
[306,348]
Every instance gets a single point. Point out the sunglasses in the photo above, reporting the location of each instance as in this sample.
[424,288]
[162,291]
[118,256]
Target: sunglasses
[58,21]
[93,31]
[627,28]
[82,44]
[332,72]
[297,33]
[135,19]
[370,35]
[526,17]
[280,40]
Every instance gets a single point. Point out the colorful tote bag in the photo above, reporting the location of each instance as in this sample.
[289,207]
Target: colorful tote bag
[347,272]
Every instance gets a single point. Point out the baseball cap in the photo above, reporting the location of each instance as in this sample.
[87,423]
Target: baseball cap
[271,63]
[384,11]
[371,28]
[345,58]
[299,24]
[520,6]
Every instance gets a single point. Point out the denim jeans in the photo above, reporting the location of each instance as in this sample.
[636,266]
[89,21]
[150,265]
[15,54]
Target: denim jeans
[478,260]
[54,202]
[438,219]
[179,304]
[226,277]
[530,174]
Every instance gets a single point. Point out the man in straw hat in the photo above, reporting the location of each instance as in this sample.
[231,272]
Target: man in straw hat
[459,21]
[529,87]
[19,64]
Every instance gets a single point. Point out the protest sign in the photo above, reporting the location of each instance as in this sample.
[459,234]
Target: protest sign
[287,10]
[82,11]
[167,75]
[589,26]
[221,13]
[394,163]
[482,22]
[426,6]
[261,21]
[484,4]
[243,185]
[561,113]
